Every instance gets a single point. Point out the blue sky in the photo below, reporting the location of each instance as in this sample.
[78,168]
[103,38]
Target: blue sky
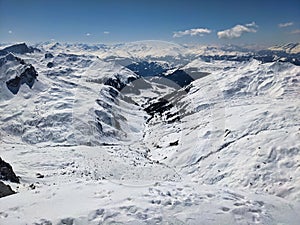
[111,21]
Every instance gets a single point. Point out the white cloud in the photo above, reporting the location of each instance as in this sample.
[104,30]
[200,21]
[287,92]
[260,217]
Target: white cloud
[88,34]
[297,31]
[106,32]
[253,24]
[192,32]
[288,24]
[10,32]
[237,31]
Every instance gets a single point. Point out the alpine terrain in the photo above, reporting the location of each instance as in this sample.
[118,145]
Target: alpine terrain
[149,132]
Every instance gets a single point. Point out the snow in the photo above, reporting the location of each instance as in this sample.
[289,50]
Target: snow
[169,53]
[236,161]
[87,199]
[292,48]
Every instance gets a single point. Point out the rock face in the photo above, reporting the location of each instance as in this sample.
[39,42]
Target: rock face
[50,64]
[28,76]
[48,55]
[10,58]
[5,190]
[18,49]
[118,83]
[180,77]
[7,173]
[16,72]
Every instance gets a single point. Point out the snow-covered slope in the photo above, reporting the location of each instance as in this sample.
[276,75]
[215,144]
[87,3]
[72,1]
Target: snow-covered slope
[94,143]
[292,48]
[238,126]
[62,97]
[150,51]
[146,50]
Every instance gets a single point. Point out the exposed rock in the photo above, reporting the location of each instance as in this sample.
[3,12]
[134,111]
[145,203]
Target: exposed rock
[28,76]
[227,132]
[10,57]
[48,55]
[7,173]
[38,175]
[19,49]
[116,83]
[32,186]
[15,72]
[5,190]
[180,77]
[158,107]
[66,221]
[175,143]
[50,64]
[43,222]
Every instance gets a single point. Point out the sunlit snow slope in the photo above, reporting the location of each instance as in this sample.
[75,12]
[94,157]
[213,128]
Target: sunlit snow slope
[96,143]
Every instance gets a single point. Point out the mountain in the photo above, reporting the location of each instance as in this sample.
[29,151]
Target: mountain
[291,48]
[21,48]
[15,72]
[49,97]
[175,55]
[176,135]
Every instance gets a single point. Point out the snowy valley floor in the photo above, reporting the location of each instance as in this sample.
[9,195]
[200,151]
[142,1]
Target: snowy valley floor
[84,185]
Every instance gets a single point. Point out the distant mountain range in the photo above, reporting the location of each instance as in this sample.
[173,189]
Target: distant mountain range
[291,48]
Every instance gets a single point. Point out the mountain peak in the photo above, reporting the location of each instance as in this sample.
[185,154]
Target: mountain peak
[20,48]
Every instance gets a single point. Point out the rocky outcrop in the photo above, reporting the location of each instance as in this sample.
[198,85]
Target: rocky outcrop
[117,83]
[7,173]
[28,76]
[21,48]
[48,55]
[9,58]
[50,64]
[5,190]
[15,72]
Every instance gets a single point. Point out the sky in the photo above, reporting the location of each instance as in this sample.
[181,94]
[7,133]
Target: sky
[260,22]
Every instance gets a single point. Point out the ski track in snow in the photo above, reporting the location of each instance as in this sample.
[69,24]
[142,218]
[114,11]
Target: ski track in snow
[231,157]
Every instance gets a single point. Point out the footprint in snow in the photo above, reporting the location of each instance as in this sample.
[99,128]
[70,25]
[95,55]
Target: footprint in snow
[243,210]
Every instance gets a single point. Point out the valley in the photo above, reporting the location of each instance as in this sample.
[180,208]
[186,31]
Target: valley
[150,133]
